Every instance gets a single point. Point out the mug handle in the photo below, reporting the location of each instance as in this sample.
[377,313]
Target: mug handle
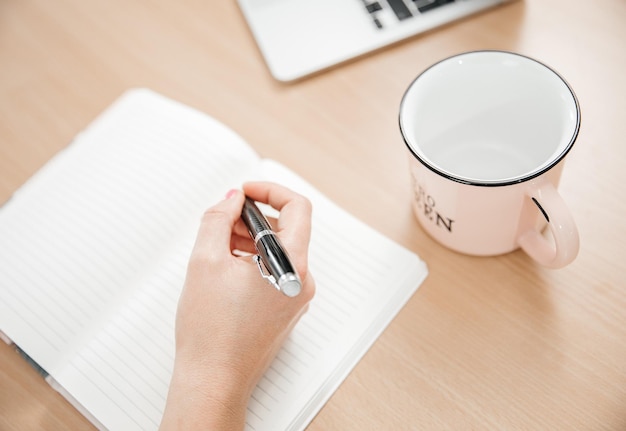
[561,223]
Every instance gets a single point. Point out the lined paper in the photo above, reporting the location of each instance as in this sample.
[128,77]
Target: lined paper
[363,280]
[93,252]
[78,235]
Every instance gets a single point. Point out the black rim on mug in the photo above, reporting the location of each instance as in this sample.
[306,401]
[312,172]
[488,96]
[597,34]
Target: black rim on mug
[516,180]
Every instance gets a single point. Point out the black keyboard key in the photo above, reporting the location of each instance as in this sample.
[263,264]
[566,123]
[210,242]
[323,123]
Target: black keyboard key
[400,9]
[373,7]
[426,5]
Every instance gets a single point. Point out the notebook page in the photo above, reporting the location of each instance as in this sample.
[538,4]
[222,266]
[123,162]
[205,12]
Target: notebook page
[363,279]
[121,375]
[75,237]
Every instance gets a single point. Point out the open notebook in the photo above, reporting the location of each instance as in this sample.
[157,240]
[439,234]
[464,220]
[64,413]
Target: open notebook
[93,252]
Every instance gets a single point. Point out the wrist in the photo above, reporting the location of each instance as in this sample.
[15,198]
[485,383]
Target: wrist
[205,399]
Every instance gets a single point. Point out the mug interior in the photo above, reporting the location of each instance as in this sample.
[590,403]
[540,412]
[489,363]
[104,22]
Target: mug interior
[489,118]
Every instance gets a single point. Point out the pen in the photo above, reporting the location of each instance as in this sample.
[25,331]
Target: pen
[271,253]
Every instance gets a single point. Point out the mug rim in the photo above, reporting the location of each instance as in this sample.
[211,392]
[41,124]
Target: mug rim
[507,182]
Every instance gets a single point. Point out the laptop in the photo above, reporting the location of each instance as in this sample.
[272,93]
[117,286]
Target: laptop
[301,37]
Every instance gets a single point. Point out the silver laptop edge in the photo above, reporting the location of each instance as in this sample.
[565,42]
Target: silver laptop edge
[300,37]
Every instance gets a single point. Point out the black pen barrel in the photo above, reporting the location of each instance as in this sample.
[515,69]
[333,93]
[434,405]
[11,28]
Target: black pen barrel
[254,219]
[272,254]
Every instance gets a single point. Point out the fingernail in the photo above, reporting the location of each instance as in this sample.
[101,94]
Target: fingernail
[231,193]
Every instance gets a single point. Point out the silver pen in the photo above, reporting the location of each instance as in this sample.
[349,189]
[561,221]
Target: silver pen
[279,270]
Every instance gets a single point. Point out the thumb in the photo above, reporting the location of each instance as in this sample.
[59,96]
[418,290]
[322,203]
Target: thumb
[216,227]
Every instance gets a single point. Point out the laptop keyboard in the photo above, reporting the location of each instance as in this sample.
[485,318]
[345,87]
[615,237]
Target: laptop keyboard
[401,10]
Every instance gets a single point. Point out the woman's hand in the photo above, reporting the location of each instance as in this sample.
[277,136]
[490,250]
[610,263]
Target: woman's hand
[230,322]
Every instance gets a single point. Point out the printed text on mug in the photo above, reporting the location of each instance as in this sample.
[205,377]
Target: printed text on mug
[426,203]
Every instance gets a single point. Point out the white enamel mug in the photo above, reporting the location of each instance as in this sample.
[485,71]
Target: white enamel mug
[488,132]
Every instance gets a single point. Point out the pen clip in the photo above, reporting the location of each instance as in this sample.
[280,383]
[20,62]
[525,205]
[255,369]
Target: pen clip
[265,273]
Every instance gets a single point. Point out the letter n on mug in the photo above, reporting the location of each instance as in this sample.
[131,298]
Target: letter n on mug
[488,132]
[425,203]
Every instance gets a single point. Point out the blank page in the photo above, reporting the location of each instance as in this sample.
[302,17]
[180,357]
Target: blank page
[75,238]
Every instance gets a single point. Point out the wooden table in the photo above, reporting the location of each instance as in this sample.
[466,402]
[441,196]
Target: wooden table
[487,343]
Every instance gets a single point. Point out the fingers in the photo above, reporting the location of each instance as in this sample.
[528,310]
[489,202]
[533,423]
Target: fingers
[294,222]
[216,228]
[222,231]
[243,244]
